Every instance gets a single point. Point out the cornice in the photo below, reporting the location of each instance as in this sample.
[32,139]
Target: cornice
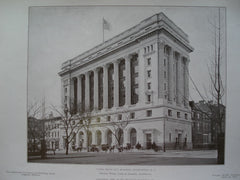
[134,34]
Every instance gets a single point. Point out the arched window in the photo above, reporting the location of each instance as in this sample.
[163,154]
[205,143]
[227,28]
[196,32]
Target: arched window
[109,138]
[133,137]
[120,137]
[99,137]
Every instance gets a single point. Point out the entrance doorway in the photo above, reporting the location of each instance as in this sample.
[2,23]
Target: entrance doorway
[148,141]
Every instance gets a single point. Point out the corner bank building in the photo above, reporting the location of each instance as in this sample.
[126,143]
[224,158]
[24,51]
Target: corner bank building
[135,85]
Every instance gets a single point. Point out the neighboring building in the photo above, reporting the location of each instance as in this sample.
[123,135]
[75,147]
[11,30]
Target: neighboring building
[53,132]
[205,127]
[201,125]
[35,134]
[139,77]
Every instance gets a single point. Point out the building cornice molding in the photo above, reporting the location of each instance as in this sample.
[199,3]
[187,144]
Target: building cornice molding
[148,26]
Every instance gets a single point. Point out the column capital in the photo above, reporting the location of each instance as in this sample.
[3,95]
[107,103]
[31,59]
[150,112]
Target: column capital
[96,70]
[105,66]
[127,57]
[162,43]
[87,73]
[117,61]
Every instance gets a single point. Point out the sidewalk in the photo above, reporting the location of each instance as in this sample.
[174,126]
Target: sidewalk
[150,153]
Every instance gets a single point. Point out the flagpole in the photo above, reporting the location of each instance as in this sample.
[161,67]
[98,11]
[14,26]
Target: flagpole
[103,28]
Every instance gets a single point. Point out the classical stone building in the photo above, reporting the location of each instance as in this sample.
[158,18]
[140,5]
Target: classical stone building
[138,79]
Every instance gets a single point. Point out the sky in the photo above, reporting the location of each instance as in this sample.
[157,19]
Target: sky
[57,34]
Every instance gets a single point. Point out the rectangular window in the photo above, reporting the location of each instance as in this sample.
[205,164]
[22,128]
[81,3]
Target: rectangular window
[170,137]
[169,112]
[149,113]
[149,73]
[165,74]
[98,119]
[108,118]
[148,98]
[165,62]
[148,61]
[132,115]
[119,117]
[186,116]
[149,85]
[178,115]
[165,86]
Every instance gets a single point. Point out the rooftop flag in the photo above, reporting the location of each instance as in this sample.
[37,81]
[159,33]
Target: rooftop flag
[106,26]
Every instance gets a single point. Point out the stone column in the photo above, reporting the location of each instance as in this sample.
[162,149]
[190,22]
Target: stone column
[87,91]
[128,80]
[161,68]
[170,79]
[178,78]
[104,137]
[85,139]
[69,93]
[96,89]
[116,84]
[94,138]
[141,64]
[105,86]
[186,82]
[126,137]
[79,93]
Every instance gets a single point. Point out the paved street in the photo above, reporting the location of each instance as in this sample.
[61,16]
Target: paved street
[133,158]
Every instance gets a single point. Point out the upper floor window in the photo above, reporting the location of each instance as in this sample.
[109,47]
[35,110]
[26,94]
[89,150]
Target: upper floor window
[108,118]
[178,115]
[132,115]
[186,116]
[149,73]
[148,49]
[119,117]
[149,113]
[169,112]
[98,119]
[148,98]
[148,61]
[149,85]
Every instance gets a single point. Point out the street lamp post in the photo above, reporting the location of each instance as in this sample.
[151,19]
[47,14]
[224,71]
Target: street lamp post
[164,145]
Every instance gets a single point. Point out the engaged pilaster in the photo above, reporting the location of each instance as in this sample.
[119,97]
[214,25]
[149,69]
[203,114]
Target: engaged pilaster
[79,93]
[96,89]
[87,93]
[116,83]
[128,80]
[105,86]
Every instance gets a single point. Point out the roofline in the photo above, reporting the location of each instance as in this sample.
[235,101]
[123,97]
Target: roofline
[148,25]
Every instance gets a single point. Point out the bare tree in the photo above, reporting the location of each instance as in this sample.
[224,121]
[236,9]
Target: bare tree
[71,123]
[216,92]
[118,125]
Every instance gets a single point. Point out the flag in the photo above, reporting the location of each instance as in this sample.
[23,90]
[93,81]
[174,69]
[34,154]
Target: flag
[106,25]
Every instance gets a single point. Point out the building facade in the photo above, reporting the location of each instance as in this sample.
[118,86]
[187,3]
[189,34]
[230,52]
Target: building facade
[137,79]
[201,125]
[205,124]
